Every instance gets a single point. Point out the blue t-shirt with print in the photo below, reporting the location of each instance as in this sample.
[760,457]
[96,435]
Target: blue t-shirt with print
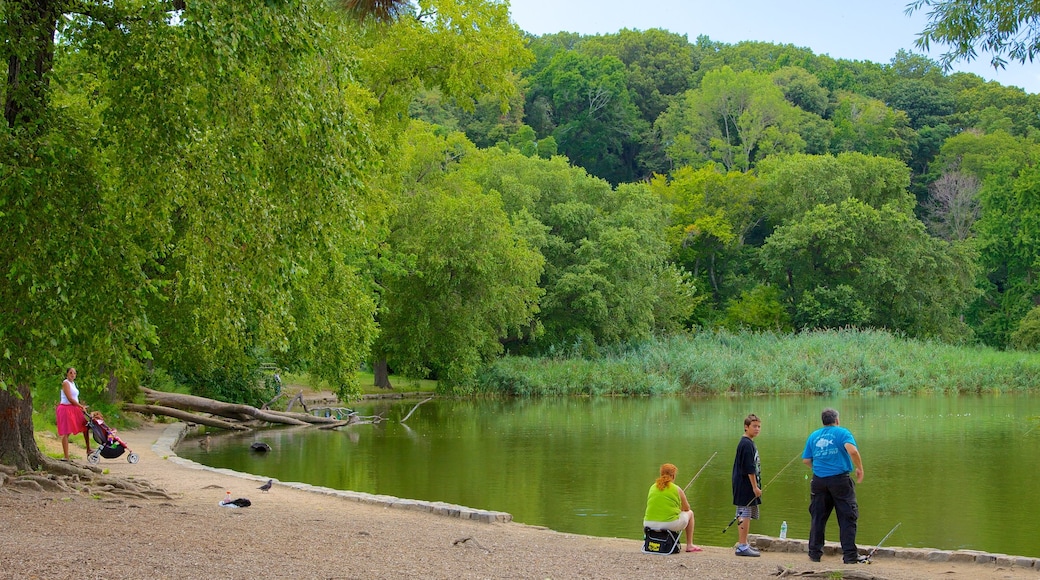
[826,448]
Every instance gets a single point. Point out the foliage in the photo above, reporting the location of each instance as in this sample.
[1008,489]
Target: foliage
[712,215]
[1002,28]
[733,119]
[798,183]
[758,309]
[463,48]
[869,126]
[852,264]
[1005,232]
[845,361]
[594,119]
[1027,336]
[470,279]
[606,276]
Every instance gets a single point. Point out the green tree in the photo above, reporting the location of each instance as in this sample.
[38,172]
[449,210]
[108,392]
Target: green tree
[469,280]
[1027,335]
[852,264]
[606,279]
[594,122]
[107,220]
[795,184]
[658,65]
[1005,167]
[870,126]
[712,214]
[802,89]
[1004,28]
[758,309]
[733,118]
[462,48]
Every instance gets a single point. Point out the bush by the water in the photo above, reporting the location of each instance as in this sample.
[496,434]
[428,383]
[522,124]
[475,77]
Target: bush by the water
[822,362]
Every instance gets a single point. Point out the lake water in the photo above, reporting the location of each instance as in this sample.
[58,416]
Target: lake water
[958,472]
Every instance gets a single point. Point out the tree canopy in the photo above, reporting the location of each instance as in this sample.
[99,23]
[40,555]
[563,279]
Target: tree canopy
[1007,29]
[197,188]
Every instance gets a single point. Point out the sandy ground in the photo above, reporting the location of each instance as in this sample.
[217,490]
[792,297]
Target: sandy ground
[290,533]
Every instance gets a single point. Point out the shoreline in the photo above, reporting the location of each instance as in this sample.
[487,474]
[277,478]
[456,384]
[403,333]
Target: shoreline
[305,532]
[176,432]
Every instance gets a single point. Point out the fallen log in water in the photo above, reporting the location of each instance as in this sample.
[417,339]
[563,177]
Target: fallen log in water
[228,410]
[184,416]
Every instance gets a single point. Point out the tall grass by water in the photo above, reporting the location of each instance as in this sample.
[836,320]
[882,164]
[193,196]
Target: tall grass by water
[822,362]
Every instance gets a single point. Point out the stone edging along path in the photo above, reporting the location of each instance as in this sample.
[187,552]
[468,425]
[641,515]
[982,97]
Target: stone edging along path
[172,435]
[769,544]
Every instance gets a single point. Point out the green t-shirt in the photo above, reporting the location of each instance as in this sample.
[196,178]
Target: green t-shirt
[663,505]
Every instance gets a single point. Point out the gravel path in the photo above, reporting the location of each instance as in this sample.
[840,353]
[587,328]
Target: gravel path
[290,533]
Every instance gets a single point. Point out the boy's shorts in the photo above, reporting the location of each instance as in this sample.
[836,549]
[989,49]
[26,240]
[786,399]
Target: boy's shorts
[747,512]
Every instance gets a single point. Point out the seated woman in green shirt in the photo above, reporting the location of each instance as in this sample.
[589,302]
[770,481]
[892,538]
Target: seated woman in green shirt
[667,507]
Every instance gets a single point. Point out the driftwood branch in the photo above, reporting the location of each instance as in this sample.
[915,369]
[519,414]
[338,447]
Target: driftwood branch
[414,408]
[294,400]
[267,405]
[307,417]
[184,416]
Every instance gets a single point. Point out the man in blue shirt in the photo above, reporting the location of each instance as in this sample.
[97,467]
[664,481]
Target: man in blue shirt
[831,453]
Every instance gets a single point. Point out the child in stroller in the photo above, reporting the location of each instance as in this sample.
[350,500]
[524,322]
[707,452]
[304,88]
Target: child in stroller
[109,445]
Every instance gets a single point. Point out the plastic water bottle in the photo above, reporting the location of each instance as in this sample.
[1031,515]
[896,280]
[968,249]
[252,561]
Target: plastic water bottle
[227,499]
[783,530]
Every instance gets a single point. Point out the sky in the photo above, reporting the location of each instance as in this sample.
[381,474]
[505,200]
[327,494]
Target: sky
[846,29]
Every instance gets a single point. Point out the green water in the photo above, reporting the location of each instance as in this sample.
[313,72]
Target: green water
[958,472]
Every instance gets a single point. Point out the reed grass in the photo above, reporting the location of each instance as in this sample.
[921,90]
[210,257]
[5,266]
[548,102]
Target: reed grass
[843,361]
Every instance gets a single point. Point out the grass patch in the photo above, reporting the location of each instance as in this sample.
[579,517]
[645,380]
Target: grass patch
[366,379]
[823,362]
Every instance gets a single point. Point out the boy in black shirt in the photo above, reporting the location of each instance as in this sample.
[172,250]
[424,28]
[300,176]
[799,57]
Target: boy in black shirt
[747,483]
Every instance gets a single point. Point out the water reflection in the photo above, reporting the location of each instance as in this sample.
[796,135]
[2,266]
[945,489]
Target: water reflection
[954,470]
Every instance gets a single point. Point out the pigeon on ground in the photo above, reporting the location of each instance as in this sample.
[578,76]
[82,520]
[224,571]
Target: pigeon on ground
[265,487]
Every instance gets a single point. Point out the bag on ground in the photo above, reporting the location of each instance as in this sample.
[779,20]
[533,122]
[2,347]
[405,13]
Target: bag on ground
[660,541]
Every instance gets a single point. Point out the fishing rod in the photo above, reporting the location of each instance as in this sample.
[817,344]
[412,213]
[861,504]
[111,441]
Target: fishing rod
[763,489]
[871,554]
[699,471]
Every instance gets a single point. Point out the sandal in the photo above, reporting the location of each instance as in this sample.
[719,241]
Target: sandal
[695,549]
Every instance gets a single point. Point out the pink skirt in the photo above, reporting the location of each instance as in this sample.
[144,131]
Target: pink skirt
[70,420]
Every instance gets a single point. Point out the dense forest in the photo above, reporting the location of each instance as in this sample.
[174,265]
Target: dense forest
[191,189]
[794,191]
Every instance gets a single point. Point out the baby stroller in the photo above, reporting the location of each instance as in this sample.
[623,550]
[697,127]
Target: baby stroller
[109,445]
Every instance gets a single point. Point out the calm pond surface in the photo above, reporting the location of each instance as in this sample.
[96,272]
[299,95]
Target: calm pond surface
[958,472]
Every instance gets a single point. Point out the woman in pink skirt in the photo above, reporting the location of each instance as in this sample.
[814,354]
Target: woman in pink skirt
[70,413]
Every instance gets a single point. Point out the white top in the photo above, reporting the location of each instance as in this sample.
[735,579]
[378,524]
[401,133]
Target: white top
[72,389]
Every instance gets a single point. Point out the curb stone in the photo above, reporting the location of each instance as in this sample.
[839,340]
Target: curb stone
[771,544]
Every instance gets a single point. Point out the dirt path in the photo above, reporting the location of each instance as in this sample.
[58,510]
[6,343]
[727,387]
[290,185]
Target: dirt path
[289,533]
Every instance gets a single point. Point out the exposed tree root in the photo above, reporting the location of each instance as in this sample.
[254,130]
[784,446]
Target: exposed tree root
[69,478]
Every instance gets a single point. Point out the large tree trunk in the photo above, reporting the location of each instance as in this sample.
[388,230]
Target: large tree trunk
[228,410]
[29,53]
[17,446]
[29,60]
[382,374]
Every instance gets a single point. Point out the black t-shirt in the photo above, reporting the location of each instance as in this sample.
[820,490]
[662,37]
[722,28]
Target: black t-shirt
[746,462]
